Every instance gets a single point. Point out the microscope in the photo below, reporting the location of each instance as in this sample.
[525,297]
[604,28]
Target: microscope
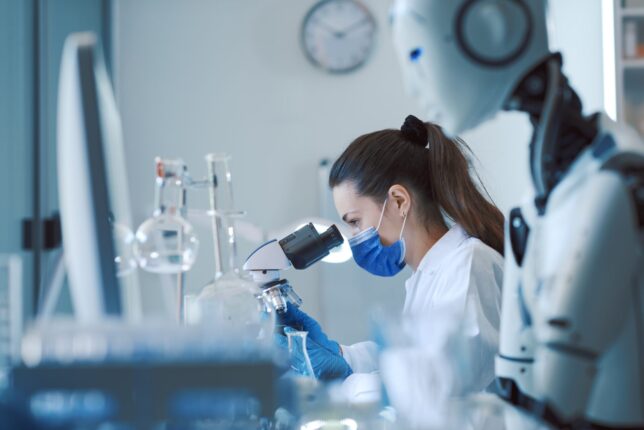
[300,249]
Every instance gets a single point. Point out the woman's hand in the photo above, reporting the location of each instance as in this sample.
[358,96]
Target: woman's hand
[326,364]
[299,320]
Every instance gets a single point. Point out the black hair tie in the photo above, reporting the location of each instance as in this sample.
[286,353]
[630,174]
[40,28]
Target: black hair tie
[414,130]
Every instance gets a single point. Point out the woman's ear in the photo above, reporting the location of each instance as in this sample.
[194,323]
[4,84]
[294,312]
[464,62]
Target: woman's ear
[401,199]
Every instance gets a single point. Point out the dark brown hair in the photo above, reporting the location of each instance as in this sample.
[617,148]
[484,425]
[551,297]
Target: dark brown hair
[438,176]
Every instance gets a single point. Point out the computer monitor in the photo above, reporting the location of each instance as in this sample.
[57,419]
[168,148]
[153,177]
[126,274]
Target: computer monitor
[91,179]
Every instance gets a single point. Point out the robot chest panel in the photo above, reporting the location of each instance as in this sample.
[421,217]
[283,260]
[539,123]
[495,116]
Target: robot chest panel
[561,231]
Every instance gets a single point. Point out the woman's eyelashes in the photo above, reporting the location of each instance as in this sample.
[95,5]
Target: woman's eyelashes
[353,223]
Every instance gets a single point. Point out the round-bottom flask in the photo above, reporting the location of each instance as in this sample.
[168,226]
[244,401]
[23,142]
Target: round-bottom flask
[235,310]
[167,244]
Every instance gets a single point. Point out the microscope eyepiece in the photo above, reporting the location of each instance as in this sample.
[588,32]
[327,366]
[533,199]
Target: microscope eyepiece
[306,246]
[332,237]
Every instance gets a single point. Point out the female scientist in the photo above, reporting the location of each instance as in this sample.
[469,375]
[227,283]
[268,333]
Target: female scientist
[395,189]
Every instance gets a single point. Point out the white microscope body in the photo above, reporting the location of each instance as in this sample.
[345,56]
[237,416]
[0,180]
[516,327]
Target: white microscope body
[264,265]
[300,250]
[572,325]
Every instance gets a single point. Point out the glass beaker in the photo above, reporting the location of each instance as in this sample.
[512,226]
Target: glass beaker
[300,361]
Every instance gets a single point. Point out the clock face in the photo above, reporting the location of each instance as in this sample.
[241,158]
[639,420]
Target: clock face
[338,35]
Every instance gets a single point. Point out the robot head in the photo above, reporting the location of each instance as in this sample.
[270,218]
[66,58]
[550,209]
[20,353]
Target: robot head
[463,58]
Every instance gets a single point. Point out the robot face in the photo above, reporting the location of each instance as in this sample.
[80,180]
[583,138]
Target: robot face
[461,59]
[417,38]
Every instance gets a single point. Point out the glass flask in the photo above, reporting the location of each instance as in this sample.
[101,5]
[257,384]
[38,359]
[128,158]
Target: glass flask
[300,361]
[231,304]
[166,242]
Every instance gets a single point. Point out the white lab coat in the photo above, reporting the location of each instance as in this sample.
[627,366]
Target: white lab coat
[458,272]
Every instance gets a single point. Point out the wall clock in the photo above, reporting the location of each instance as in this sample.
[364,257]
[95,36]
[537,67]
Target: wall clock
[338,35]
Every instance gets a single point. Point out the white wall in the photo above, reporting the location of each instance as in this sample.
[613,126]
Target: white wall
[576,26]
[197,76]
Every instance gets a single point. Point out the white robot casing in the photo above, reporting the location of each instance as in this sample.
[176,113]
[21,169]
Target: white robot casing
[428,36]
[572,323]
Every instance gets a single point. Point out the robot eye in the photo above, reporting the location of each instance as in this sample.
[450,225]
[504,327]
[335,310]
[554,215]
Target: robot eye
[415,54]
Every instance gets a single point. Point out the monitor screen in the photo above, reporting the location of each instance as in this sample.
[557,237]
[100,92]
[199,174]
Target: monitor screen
[94,201]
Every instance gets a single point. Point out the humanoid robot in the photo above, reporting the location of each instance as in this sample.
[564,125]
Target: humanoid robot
[572,324]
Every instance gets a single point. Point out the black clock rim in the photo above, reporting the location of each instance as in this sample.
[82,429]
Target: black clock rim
[316,63]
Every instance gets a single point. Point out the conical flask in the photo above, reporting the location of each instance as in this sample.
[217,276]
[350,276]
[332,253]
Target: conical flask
[232,304]
[299,356]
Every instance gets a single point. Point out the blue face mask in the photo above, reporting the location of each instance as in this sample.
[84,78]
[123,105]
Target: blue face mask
[374,257]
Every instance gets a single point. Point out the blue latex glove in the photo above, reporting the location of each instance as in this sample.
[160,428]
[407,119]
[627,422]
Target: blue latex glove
[326,364]
[299,320]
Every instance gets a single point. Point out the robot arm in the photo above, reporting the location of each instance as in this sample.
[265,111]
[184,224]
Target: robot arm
[590,255]
[514,362]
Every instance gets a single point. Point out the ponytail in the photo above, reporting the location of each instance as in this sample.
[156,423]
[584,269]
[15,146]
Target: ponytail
[456,193]
[440,172]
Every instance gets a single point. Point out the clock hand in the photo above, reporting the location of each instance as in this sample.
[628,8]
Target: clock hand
[354,26]
[330,29]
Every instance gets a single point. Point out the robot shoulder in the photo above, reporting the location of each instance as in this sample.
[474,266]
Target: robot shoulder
[618,147]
